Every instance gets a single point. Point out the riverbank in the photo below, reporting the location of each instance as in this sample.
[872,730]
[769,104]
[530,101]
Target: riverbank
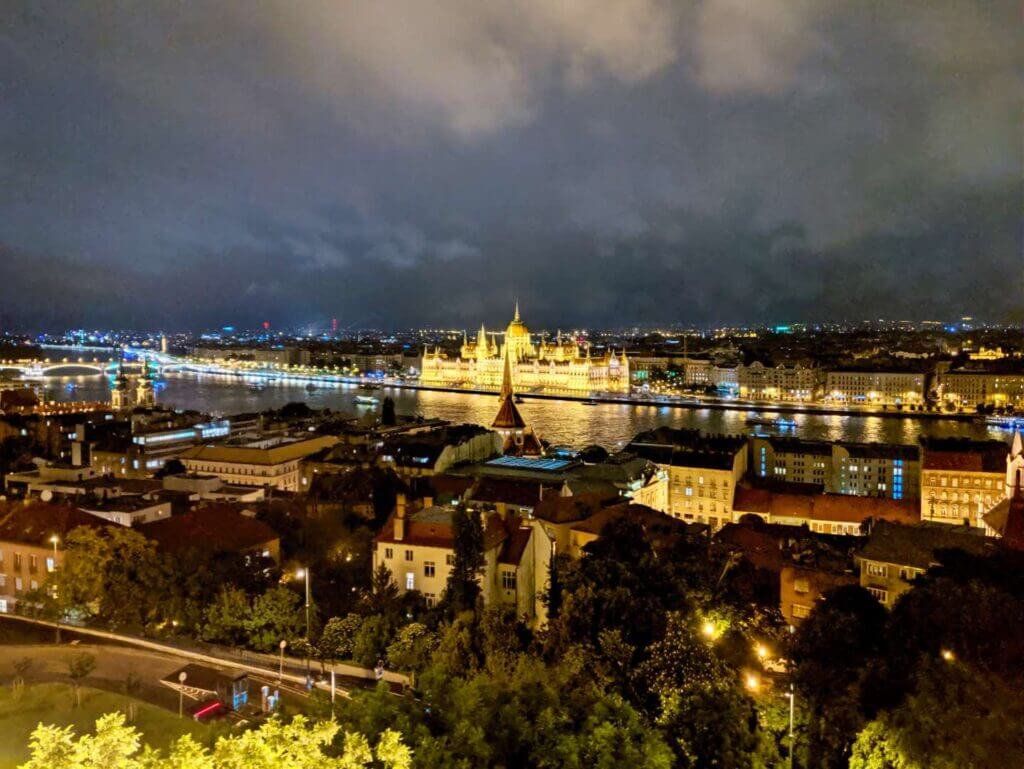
[691,403]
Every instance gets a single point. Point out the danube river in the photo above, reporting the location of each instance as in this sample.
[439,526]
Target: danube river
[563,422]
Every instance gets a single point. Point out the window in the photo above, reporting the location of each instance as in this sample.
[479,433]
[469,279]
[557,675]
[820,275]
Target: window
[801,611]
[801,585]
[881,595]
[3,580]
[408,555]
[410,581]
[876,569]
[508,580]
[428,568]
[33,585]
[33,563]
[450,559]
[431,599]
[17,561]
[389,553]
[17,584]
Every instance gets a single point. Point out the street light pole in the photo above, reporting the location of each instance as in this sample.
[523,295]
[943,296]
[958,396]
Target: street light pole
[305,573]
[280,668]
[181,693]
[54,540]
[792,707]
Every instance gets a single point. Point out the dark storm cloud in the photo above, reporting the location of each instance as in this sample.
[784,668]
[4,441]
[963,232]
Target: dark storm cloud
[393,163]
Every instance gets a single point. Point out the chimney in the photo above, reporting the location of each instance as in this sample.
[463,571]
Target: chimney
[400,518]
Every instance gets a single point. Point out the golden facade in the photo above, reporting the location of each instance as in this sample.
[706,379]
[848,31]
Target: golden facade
[557,365]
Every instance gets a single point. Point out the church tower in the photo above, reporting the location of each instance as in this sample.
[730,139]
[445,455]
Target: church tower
[145,395]
[520,440]
[120,394]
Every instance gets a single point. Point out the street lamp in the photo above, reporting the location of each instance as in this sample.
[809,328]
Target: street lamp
[280,668]
[55,540]
[947,655]
[304,573]
[792,706]
[181,693]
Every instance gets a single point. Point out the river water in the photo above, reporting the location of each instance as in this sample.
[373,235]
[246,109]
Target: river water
[563,422]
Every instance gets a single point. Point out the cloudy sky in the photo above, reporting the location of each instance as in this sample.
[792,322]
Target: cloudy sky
[188,164]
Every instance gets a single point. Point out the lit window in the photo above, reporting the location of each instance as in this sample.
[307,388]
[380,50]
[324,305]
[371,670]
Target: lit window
[428,568]
[410,581]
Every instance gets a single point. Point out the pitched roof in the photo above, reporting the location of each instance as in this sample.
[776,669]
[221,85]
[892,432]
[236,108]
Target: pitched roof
[844,508]
[917,545]
[964,455]
[213,529]
[1007,518]
[508,416]
[559,509]
[521,492]
[432,527]
[36,522]
[515,546]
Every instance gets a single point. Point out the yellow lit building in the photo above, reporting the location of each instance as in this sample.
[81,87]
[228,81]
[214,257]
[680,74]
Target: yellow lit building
[558,365]
[962,480]
[888,388]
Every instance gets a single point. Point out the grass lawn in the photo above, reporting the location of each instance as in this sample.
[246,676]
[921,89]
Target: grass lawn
[54,704]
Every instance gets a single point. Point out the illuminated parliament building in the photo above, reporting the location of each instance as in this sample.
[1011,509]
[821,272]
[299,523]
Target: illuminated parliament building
[558,365]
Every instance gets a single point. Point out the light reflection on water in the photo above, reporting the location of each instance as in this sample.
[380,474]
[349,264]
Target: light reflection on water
[566,422]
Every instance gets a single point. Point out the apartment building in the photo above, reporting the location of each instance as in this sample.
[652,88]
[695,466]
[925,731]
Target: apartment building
[777,383]
[897,554]
[32,537]
[273,463]
[860,469]
[702,471]
[966,389]
[961,479]
[878,388]
[418,547]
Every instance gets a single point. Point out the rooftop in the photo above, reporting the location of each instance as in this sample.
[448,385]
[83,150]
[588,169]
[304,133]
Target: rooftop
[214,529]
[35,523]
[917,545]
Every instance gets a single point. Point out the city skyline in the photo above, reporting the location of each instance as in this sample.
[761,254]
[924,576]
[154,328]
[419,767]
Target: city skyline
[687,163]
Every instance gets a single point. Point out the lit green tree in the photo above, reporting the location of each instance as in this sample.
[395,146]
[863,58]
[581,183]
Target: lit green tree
[277,614]
[227,619]
[337,641]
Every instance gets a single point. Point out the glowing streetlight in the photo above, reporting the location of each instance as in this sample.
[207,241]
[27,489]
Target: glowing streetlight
[947,655]
[304,574]
[761,651]
[55,540]
[708,629]
[752,682]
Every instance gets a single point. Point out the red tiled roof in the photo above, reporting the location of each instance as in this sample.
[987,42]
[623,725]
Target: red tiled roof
[515,546]
[558,509]
[824,507]
[433,528]
[35,523]
[215,528]
[523,493]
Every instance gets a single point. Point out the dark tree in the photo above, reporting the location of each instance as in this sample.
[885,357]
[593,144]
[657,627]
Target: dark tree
[387,412]
[833,651]
[464,580]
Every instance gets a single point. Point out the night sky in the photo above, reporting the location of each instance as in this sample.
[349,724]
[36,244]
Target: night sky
[192,164]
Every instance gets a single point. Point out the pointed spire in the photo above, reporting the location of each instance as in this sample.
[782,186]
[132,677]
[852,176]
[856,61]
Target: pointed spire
[482,348]
[1016,448]
[506,378]
[516,316]
[465,339]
